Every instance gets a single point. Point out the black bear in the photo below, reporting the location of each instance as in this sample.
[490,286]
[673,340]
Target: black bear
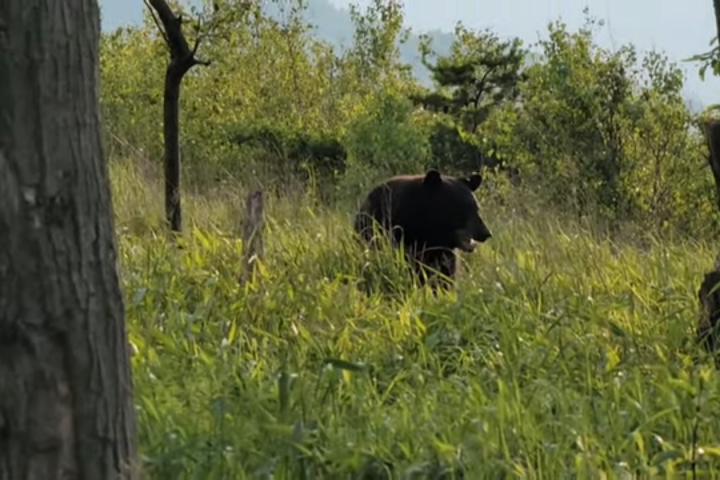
[431,215]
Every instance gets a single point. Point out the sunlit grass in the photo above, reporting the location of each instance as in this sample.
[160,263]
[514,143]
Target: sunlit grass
[559,355]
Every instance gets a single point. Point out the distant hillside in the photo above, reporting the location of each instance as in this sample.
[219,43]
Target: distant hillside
[334,25]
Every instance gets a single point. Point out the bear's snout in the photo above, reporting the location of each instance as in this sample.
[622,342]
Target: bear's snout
[484,235]
[480,232]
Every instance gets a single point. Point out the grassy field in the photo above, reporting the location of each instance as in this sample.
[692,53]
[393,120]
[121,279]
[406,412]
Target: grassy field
[559,355]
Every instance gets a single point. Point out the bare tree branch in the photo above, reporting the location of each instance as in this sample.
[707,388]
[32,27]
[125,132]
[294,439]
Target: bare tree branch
[180,50]
[157,24]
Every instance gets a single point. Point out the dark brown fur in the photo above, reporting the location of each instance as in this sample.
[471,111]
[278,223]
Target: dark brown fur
[431,215]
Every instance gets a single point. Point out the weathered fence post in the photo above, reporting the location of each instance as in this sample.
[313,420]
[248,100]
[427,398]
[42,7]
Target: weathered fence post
[253,226]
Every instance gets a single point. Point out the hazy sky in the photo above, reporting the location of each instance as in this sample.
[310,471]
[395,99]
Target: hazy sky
[680,28]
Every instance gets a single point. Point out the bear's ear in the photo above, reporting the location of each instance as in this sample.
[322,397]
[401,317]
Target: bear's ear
[473,181]
[432,178]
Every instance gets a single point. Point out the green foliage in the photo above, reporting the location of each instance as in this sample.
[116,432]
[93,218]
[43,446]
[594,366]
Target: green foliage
[573,108]
[382,140]
[590,132]
[560,355]
[480,72]
[457,153]
[131,93]
[711,59]
[383,137]
[604,135]
[564,352]
[669,154]
[375,50]
[450,149]
[303,149]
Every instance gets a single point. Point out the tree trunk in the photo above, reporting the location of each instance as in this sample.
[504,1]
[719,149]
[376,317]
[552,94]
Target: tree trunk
[65,391]
[182,59]
[707,332]
[716,7]
[709,292]
[171,131]
[712,137]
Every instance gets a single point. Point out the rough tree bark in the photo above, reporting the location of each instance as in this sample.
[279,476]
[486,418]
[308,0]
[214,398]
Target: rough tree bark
[65,390]
[707,332]
[182,59]
[716,6]
[709,293]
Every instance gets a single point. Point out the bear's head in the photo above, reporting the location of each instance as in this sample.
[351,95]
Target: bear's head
[451,212]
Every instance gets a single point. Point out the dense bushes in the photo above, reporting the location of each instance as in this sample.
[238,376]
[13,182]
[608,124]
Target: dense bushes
[590,132]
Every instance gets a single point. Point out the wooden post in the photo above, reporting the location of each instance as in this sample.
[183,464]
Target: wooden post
[253,225]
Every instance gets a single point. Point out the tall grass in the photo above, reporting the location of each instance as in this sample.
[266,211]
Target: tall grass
[559,354]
